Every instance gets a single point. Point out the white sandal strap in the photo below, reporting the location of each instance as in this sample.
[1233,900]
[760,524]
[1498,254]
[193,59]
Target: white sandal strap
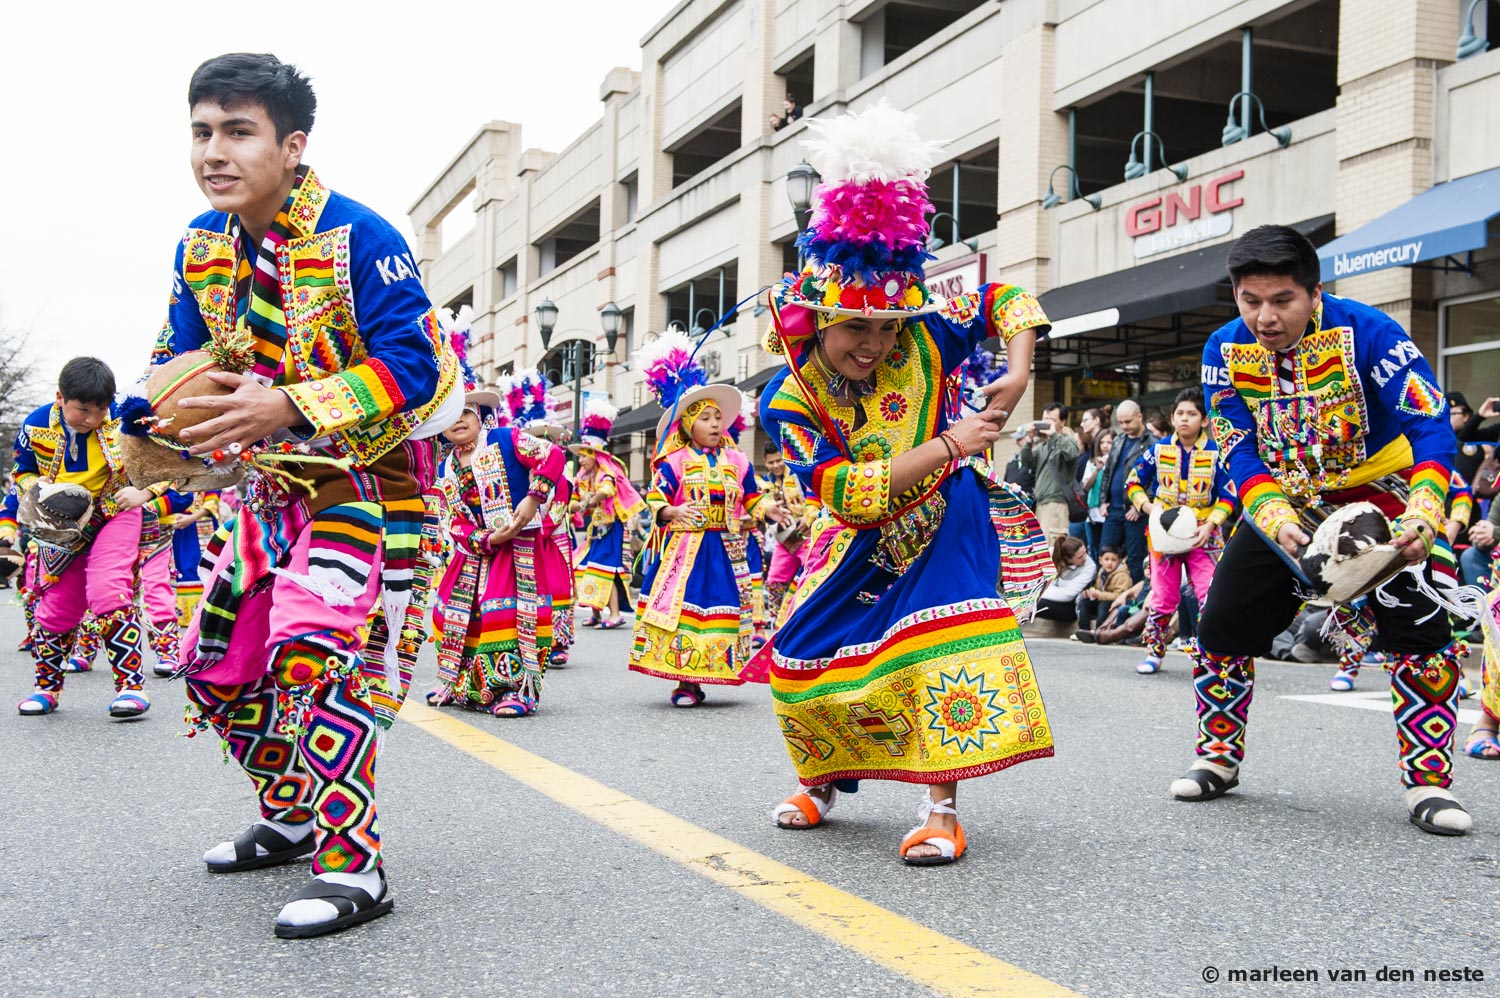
[929,807]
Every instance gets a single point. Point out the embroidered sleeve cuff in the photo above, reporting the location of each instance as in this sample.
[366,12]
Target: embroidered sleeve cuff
[1135,495]
[363,394]
[1010,310]
[859,493]
[1219,513]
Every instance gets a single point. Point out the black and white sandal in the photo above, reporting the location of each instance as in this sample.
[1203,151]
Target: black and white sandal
[278,850]
[354,906]
[1425,810]
[1205,782]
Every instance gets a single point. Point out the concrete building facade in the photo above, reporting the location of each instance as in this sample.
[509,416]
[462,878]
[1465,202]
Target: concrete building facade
[674,204]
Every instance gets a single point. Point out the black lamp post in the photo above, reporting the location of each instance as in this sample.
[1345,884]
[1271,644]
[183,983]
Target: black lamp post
[800,181]
[609,318]
[546,320]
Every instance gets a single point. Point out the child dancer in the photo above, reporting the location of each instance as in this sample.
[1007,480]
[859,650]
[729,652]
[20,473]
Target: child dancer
[495,612]
[1183,471]
[695,617]
[605,501]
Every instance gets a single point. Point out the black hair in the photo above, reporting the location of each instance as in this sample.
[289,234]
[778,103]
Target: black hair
[1276,251]
[1109,549]
[1194,395]
[1062,410]
[770,447]
[257,78]
[88,380]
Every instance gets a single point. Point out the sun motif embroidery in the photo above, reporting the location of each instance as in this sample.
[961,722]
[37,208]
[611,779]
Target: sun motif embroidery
[896,359]
[962,710]
[893,407]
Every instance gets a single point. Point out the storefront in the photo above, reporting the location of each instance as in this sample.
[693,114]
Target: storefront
[1140,283]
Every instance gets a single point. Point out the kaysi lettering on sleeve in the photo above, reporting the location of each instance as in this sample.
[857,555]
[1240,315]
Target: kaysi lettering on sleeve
[363,357]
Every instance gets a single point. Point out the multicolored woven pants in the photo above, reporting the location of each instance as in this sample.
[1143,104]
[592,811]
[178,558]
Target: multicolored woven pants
[1154,638]
[306,736]
[1424,700]
[1224,686]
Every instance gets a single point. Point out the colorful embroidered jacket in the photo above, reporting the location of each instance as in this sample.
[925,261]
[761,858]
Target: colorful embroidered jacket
[846,467]
[46,447]
[484,496]
[621,501]
[1175,475]
[364,360]
[1363,404]
[717,485]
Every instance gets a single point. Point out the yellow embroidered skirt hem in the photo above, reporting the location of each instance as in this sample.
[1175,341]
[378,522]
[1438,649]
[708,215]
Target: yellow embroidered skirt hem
[946,694]
[707,647]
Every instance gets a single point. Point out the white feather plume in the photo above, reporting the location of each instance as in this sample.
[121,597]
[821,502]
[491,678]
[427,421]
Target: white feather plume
[878,143]
[747,409]
[660,347]
[597,406]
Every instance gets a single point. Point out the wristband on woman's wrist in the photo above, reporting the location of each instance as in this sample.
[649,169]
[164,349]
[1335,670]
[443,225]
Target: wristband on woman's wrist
[947,435]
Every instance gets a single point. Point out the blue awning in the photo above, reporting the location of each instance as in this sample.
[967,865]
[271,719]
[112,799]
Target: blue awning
[1443,221]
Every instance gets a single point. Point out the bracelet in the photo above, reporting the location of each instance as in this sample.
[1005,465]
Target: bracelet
[540,495]
[947,446]
[947,436]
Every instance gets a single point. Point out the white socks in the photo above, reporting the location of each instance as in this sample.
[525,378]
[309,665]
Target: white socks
[1188,788]
[224,851]
[314,912]
[1455,819]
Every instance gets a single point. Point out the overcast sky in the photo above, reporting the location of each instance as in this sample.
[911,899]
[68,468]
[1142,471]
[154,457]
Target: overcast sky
[94,154]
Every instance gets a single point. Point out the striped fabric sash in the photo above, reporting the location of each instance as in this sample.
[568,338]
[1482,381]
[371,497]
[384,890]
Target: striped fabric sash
[257,291]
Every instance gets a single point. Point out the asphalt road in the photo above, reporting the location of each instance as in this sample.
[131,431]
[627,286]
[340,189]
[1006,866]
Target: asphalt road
[1081,869]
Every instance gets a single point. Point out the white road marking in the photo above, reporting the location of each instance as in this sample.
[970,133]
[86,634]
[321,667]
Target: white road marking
[1372,700]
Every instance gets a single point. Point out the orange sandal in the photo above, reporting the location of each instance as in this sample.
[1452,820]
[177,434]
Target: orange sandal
[814,809]
[950,845]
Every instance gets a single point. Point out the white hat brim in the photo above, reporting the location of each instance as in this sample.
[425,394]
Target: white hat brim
[725,397]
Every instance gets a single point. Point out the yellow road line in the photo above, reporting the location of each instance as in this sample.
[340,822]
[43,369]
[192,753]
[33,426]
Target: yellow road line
[929,958]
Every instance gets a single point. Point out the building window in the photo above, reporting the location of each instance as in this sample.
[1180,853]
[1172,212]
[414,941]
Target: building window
[630,197]
[569,239]
[505,370]
[977,179]
[1469,348]
[458,301]
[1294,73]
[458,221]
[697,304]
[710,143]
[797,76]
[508,279]
[625,346]
[897,28]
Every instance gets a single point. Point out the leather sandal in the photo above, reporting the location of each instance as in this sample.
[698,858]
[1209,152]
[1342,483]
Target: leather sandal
[950,845]
[353,905]
[1427,808]
[1210,785]
[278,850]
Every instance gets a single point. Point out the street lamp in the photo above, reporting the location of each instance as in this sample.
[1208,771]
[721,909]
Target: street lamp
[934,242]
[609,318]
[1235,130]
[546,320]
[800,181]
[1137,168]
[1053,199]
[1468,42]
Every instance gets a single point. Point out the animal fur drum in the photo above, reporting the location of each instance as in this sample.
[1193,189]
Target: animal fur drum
[1351,554]
[56,513]
[151,421]
[1173,530]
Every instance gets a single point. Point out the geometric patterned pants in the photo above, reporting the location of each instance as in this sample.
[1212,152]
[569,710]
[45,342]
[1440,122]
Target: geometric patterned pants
[306,736]
[302,725]
[1424,702]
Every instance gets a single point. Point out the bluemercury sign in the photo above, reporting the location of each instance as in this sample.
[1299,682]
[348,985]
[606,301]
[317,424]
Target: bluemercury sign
[1401,253]
[1183,217]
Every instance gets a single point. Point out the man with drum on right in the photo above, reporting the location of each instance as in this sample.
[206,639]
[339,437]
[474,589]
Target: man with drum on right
[1317,403]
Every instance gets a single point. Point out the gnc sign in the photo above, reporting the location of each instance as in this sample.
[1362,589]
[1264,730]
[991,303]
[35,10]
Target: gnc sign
[1183,217]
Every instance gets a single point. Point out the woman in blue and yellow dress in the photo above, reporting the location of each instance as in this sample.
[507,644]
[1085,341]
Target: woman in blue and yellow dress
[901,659]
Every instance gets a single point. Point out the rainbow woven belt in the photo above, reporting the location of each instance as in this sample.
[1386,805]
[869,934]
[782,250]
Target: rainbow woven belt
[945,694]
